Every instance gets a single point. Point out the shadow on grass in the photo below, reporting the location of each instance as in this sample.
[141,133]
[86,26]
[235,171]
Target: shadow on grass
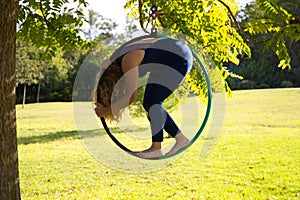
[70,135]
[48,138]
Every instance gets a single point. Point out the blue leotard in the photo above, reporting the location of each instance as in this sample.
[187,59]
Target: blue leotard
[168,60]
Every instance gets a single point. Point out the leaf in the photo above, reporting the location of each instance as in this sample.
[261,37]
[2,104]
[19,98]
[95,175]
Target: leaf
[284,64]
[274,11]
[293,32]
[261,26]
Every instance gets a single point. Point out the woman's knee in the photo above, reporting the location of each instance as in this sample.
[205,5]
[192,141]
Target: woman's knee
[148,102]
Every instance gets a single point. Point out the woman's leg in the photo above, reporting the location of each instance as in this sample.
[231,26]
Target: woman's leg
[157,116]
[163,80]
[160,119]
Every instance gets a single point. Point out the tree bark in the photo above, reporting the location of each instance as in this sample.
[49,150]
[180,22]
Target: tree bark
[24,96]
[9,174]
[38,92]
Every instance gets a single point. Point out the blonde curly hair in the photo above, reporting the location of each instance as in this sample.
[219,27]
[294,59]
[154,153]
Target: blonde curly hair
[109,88]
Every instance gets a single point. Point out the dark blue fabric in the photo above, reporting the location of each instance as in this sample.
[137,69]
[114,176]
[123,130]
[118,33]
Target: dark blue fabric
[168,61]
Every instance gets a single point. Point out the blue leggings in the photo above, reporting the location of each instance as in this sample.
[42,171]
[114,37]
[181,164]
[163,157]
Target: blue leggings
[163,80]
[159,118]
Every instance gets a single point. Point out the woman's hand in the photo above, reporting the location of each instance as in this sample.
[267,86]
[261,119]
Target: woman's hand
[101,110]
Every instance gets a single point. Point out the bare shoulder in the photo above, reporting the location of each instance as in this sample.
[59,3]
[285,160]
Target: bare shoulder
[132,59]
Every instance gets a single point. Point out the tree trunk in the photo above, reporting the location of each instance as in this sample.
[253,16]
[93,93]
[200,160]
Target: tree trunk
[9,174]
[24,96]
[38,92]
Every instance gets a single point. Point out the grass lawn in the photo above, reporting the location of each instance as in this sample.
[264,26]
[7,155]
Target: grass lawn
[256,157]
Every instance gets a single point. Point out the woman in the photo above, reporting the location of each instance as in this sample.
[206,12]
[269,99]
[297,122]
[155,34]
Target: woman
[169,61]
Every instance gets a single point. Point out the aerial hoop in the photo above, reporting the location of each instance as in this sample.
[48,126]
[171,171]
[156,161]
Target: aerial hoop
[154,34]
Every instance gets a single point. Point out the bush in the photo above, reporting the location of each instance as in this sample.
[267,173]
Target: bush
[262,86]
[286,84]
[247,84]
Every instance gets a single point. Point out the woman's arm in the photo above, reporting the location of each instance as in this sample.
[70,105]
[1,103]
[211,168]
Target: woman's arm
[130,63]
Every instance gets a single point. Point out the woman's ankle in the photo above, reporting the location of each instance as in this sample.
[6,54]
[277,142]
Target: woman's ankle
[156,146]
[180,136]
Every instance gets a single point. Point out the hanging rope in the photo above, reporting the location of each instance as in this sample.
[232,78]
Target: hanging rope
[153,14]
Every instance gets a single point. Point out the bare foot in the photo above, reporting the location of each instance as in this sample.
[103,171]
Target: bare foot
[153,152]
[150,154]
[181,142]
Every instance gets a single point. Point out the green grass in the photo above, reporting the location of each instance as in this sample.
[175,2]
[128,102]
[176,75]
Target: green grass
[256,157]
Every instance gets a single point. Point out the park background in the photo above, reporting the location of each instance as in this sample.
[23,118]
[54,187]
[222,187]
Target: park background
[256,156]
[44,80]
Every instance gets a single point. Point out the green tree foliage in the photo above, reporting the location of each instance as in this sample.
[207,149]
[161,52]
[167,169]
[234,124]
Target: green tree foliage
[51,24]
[30,65]
[209,23]
[59,79]
[97,26]
[55,27]
[279,24]
[260,71]
[28,71]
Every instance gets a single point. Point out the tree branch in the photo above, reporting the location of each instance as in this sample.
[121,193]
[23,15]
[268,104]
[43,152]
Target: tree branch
[44,16]
[261,42]
[141,16]
[160,20]
[232,18]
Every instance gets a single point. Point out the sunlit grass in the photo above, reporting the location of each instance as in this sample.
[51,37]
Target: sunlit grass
[256,157]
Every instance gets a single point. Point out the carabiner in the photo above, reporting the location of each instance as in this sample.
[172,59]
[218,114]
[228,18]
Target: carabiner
[153,13]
